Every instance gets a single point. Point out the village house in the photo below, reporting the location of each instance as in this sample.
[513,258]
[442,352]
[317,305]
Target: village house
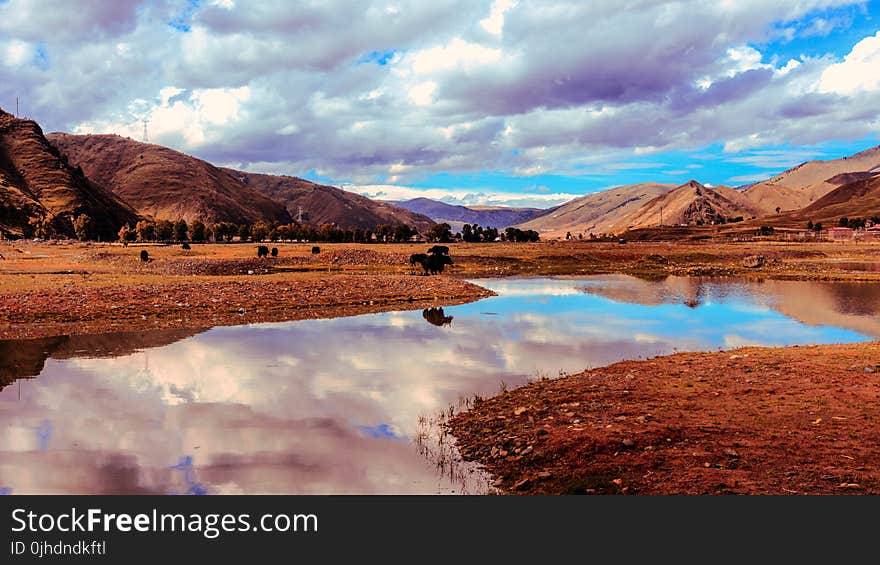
[838,233]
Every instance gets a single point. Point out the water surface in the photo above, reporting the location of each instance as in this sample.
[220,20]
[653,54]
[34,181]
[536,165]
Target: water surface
[337,406]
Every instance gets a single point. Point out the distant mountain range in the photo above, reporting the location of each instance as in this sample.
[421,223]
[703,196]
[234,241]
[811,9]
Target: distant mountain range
[816,190]
[487,216]
[46,182]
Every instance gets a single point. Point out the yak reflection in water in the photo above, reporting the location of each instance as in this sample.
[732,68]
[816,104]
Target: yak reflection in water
[436,316]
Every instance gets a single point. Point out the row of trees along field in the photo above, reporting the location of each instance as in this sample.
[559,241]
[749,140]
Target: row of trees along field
[473,233]
[197,231]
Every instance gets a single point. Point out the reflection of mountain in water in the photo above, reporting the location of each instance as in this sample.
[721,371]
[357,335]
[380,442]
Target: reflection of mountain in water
[25,358]
[436,316]
[851,305]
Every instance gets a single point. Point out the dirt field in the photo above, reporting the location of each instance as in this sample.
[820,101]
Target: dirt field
[74,288]
[796,420]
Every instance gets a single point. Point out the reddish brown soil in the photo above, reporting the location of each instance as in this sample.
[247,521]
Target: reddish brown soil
[797,420]
[84,309]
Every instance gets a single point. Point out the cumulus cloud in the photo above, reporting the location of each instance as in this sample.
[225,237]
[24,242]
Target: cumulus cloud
[379,93]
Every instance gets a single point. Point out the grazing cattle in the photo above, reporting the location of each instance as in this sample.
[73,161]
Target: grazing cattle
[436,263]
[436,316]
[185,246]
[262,251]
[145,257]
[316,250]
[439,250]
[418,259]
[274,252]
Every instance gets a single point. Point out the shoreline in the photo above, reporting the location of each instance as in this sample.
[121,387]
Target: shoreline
[72,288]
[755,420]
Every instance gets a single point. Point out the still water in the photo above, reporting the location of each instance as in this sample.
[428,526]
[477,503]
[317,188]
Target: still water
[348,405]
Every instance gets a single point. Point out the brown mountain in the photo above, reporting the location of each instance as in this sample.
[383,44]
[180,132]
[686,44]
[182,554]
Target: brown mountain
[601,212]
[692,204]
[165,184]
[858,199]
[38,185]
[322,204]
[801,186]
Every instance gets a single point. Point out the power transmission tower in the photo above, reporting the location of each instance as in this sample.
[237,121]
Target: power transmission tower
[299,215]
[146,137]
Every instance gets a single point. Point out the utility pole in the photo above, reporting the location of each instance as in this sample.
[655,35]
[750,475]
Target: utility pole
[16,106]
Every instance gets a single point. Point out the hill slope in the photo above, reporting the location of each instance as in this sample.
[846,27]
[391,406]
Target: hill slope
[601,212]
[36,182]
[488,216]
[322,204]
[692,204]
[166,184]
[806,183]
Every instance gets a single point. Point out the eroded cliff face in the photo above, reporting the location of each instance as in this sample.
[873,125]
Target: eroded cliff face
[41,194]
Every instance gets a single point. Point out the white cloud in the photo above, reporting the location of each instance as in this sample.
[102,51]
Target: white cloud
[859,70]
[494,22]
[457,54]
[422,94]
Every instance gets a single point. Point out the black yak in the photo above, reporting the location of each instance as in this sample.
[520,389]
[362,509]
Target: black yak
[262,251]
[436,316]
[185,246]
[316,250]
[439,250]
[436,263]
[418,259]
[274,252]
[145,257]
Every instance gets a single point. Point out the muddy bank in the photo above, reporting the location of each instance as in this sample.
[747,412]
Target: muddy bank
[77,309]
[795,420]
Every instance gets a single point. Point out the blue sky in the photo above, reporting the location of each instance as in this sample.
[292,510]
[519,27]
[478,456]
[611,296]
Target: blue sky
[513,102]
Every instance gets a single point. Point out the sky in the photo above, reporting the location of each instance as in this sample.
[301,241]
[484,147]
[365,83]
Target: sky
[514,102]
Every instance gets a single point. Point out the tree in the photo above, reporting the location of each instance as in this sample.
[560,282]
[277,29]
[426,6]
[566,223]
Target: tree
[273,234]
[145,230]
[197,231]
[244,232]
[843,222]
[818,227]
[180,230]
[810,225]
[383,232]
[126,234]
[259,231]
[284,233]
[164,230]
[403,233]
[440,233]
[83,226]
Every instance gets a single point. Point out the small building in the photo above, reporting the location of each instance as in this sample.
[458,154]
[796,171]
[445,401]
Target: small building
[872,233]
[838,233]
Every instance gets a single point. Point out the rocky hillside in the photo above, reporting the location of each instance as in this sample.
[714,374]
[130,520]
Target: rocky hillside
[161,183]
[692,204]
[601,212]
[322,204]
[41,193]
